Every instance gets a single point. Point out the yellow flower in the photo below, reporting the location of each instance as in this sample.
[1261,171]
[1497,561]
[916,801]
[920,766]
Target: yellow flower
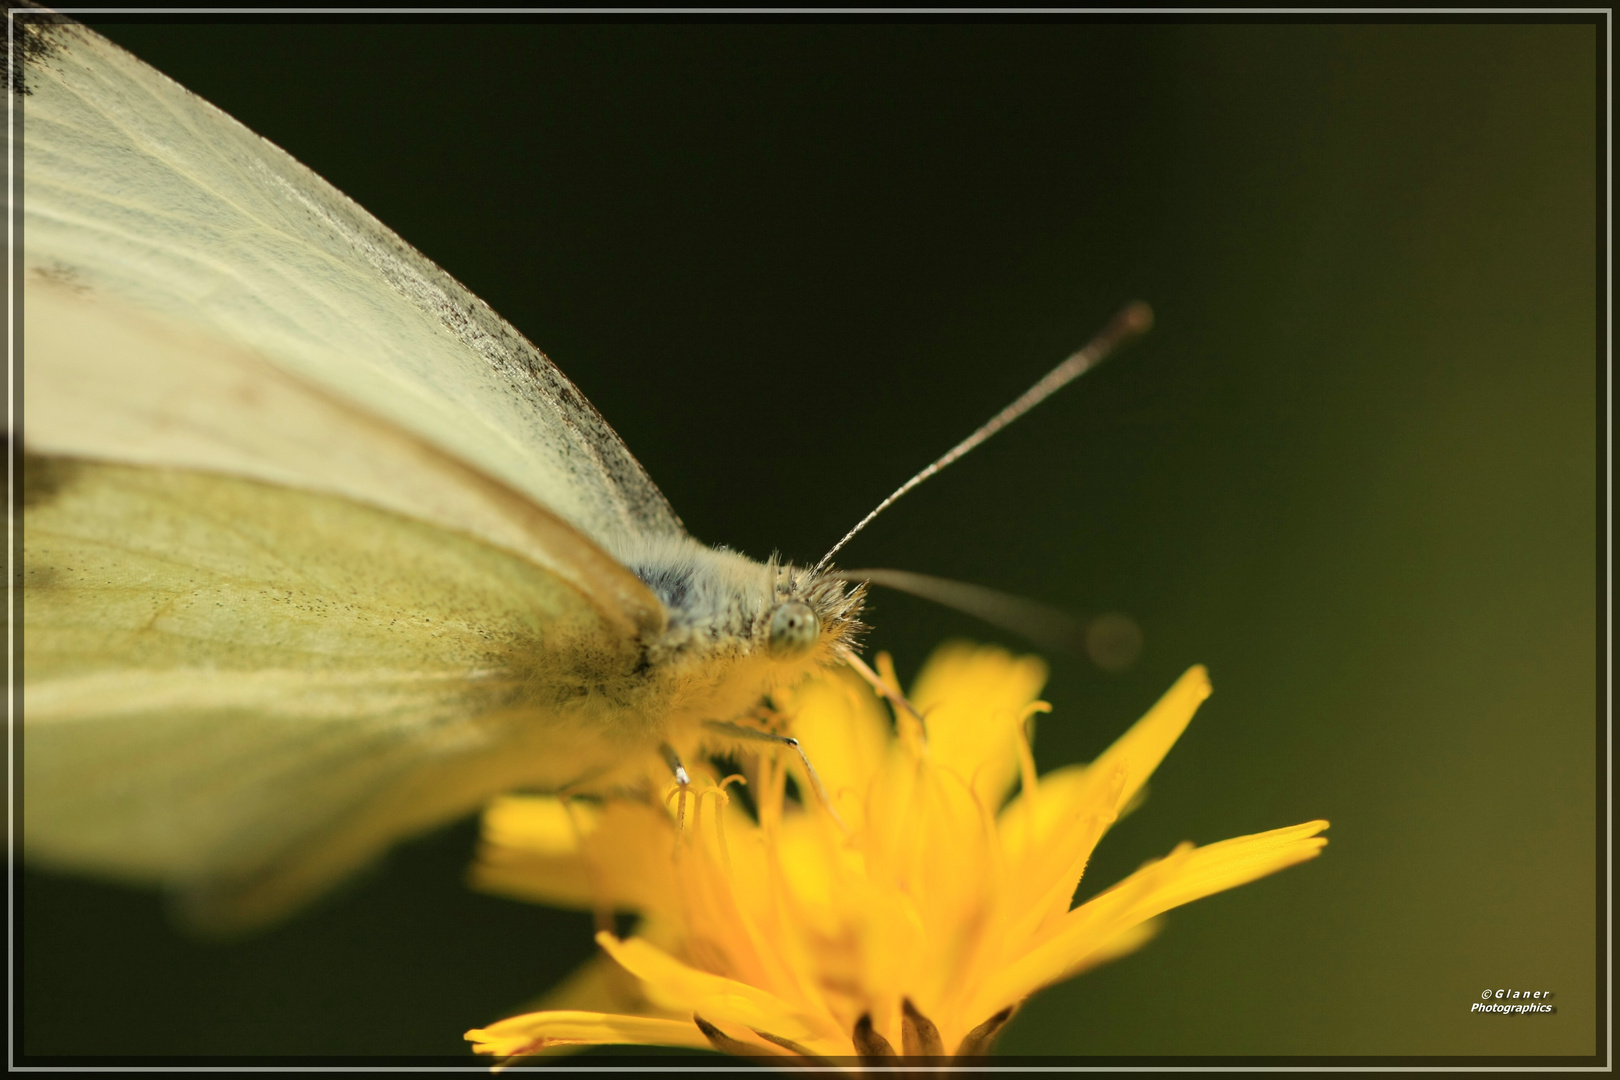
[913,920]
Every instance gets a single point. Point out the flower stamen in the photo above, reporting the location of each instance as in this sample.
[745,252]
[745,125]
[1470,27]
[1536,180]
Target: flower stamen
[1026,756]
[724,800]
[738,731]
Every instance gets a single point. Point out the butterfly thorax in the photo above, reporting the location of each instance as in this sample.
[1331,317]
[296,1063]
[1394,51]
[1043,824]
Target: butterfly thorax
[735,630]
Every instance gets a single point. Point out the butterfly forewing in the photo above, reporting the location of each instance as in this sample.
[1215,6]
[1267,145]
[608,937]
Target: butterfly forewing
[137,190]
[316,546]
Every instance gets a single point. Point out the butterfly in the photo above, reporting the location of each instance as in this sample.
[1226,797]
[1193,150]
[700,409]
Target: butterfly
[319,552]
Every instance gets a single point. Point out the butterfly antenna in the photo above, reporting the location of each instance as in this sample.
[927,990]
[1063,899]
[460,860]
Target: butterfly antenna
[1047,627]
[1135,319]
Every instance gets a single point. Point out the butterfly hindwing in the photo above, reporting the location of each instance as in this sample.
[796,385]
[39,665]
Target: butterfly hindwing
[225,678]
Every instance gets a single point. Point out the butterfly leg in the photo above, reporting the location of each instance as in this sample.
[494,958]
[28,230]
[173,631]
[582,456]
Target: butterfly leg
[738,731]
[673,760]
[683,784]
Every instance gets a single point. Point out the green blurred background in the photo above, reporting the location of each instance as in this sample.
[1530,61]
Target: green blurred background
[1354,469]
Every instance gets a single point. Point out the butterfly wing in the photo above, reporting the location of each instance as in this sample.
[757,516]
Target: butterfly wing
[137,190]
[314,543]
[236,686]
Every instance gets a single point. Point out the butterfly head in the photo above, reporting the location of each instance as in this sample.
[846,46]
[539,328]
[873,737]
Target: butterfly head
[810,611]
[721,605]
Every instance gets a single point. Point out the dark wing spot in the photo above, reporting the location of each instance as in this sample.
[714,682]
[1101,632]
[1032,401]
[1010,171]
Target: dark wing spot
[43,477]
[62,276]
[34,38]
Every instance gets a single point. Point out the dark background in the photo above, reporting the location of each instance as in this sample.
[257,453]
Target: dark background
[1353,469]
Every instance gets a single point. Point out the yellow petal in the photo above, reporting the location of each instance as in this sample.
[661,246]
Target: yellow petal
[1121,944]
[1048,838]
[1142,748]
[930,839]
[819,870]
[973,699]
[534,1031]
[538,823]
[1067,792]
[1047,874]
[617,859]
[531,851]
[1029,824]
[672,984]
[743,1019]
[1230,863]
[561,883]
[1186,874]
[844,731]
[599,985]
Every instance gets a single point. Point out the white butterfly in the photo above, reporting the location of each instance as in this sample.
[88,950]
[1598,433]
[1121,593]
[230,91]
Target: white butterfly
[320,552]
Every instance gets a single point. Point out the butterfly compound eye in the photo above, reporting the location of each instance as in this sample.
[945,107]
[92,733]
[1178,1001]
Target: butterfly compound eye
[794,629]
